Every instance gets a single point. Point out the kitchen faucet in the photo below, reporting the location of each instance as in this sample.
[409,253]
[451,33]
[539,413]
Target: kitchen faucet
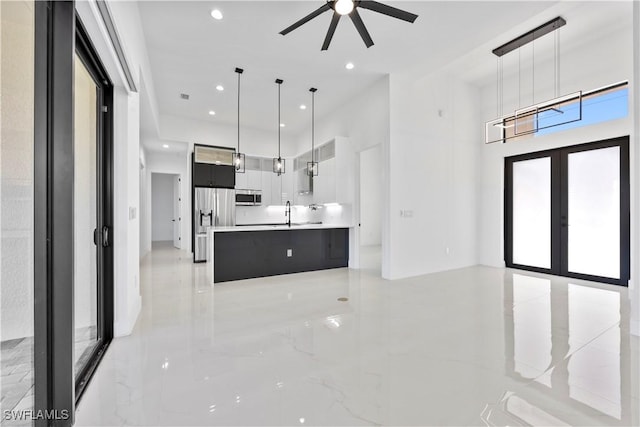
[287,213]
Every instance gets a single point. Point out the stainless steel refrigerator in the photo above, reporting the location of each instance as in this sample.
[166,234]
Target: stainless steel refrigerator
[213,207]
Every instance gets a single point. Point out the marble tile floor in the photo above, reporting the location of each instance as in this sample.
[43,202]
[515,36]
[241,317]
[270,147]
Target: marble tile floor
[474,346]
[16,369]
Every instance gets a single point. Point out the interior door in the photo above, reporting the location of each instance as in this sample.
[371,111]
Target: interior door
[177,220]
[567,211]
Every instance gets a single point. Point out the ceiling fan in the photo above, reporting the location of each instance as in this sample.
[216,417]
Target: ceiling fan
[350,7]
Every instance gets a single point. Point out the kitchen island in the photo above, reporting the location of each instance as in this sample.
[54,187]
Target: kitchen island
[245,252]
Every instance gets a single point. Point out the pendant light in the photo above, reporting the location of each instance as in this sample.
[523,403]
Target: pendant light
[279,163]
[312,166]
[238,157]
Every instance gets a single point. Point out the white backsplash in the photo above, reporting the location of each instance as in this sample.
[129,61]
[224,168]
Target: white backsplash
[334,215]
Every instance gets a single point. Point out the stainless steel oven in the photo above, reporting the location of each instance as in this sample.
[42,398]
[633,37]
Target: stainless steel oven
[248,197]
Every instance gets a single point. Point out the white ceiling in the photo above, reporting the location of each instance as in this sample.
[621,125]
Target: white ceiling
[192,53]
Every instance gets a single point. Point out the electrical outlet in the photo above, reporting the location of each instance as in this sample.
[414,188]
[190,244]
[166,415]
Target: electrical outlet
[406,214]
[289,253]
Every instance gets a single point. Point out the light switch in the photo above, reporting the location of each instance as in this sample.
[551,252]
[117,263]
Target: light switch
[132,212]
[289,253]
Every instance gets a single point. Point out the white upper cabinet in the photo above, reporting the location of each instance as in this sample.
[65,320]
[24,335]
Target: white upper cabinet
[335,182]
[254,179]
[344,171]
[241,181]
[287,184]
[265,186]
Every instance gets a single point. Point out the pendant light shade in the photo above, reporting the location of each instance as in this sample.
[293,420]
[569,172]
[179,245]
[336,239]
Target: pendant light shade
[238,157]
[279,162]
[312,166]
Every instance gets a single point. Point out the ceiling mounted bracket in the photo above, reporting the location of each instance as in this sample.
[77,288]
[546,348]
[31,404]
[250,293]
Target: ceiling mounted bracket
[530,36]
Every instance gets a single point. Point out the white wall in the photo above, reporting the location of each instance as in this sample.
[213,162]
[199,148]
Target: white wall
[16,169]
[371,196]
[162,205]
[433,172]
[142,203]
[634,285]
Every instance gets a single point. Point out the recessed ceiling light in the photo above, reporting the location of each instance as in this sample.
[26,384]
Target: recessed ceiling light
[216,14]
[165,145]
[303,107]
[220,88]
[212,113]
[349,66]
[282,125]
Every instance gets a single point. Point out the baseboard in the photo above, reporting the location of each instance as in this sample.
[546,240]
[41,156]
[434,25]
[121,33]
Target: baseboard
[122,329]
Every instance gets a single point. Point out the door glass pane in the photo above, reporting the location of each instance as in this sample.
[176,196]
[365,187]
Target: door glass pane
[16,209]
[532,212]
[85,215]
[594,212]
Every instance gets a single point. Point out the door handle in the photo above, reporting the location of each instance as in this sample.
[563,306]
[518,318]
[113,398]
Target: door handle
[105,236]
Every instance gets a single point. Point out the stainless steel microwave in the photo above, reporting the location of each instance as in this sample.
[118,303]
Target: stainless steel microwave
[248,197]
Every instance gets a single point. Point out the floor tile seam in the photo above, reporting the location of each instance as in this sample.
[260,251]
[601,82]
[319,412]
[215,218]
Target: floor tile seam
[569,355]
[585,344]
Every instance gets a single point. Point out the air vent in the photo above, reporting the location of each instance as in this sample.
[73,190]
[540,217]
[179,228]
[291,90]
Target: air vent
[184,96]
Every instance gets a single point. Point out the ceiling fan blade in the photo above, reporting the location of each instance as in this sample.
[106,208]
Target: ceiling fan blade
[306,19]
[357,21]
[331,31]
[388,10]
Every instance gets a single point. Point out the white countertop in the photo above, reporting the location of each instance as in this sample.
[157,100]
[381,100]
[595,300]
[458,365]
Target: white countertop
[276,227]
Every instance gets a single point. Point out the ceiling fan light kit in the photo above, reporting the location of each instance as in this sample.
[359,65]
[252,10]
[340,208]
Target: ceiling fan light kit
[350,7]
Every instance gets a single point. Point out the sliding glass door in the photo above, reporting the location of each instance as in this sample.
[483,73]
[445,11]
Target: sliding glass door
[92,207]
[567,211]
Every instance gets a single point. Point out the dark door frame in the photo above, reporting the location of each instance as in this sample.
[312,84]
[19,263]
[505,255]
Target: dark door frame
[559,209]
[57,35]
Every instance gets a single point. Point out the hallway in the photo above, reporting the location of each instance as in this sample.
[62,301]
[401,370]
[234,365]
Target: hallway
[465,347]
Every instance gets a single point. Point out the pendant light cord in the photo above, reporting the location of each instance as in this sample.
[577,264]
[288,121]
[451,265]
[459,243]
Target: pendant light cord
[313,124]
[238,112]
[279,122]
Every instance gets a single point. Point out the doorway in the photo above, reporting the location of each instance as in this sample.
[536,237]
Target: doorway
[166,202]
[567,211]
[371,209]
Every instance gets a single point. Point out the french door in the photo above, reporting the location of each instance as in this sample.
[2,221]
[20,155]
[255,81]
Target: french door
[567,211]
